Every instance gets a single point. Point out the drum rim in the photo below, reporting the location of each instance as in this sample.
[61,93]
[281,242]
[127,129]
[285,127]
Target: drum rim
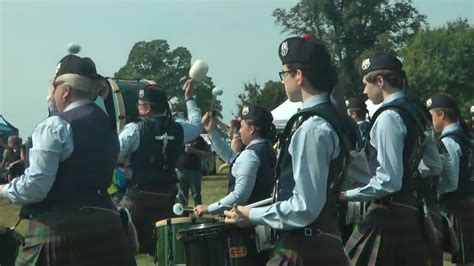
[183,220]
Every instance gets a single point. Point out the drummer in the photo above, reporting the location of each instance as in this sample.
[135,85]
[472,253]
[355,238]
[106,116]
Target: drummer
[456,192]
[308,165]
[252,170]
[149,149]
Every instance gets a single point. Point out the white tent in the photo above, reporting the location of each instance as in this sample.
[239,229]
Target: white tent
[283,112]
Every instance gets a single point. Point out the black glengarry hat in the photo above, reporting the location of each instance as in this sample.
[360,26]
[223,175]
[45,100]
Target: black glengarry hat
[380,61]
[442,100]
[297,50]
[312,53]
[356,103]
[153,95]
[73,64]
[258,114]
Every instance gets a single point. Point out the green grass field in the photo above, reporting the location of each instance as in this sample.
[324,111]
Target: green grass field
[213,188]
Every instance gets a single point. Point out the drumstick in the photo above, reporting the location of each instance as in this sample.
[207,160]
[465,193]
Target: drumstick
[215,92]
[260,203]
[252,205]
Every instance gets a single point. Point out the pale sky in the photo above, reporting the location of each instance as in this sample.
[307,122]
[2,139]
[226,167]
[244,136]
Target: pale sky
[237,38]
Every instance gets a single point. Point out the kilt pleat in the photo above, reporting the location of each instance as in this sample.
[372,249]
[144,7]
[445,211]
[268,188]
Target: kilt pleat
[389,235]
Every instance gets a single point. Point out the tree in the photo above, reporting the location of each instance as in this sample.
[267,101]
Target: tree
[271,96]
[440,60]
[352,28]
[154,61]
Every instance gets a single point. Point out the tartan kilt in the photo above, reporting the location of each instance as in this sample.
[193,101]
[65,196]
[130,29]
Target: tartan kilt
[389,235]
[148,205]
[90,236]
[463,225]
[314,250]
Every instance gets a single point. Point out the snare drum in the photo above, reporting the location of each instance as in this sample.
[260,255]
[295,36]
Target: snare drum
[219,244]
[170,251]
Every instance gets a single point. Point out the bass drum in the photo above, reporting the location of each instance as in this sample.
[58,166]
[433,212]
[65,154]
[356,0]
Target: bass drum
[125,96]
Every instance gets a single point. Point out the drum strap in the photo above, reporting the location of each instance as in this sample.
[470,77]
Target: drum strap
[17,223]
[110,108]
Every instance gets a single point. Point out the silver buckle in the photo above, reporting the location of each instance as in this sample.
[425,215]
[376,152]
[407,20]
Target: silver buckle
[308,232]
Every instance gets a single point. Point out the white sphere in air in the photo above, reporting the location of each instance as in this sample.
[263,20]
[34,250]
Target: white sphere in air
[73,48]
[217,91]
[198,70]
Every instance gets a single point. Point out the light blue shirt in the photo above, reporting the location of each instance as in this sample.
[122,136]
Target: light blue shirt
[129,138]
[387,137]
[313,145]
[450,176]
[244,170]
[52,144]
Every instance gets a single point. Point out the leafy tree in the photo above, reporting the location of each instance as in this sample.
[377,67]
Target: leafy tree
[271,96]
[351,28]
[154,61]
[441,60]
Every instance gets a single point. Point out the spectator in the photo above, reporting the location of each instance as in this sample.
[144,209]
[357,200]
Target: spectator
[189,170]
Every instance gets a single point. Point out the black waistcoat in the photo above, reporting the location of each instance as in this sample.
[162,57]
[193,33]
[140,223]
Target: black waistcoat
[466,183]
[266,171]
[83,178]
[154,162]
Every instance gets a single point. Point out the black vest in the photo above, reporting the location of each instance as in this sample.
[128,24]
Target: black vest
[414,118]
[284,169]
[264,181]
[346,130]
[151,163]
[83,178]
[466,183]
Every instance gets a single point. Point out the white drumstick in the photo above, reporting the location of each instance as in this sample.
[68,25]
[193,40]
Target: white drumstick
[260,203]
[178,209]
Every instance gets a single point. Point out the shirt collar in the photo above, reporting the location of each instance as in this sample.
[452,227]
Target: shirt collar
[394,96]
[451,128]
[315,100]
[256,141]
[77,104]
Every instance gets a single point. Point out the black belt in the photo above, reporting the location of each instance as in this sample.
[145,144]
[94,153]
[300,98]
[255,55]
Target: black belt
[306,232]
